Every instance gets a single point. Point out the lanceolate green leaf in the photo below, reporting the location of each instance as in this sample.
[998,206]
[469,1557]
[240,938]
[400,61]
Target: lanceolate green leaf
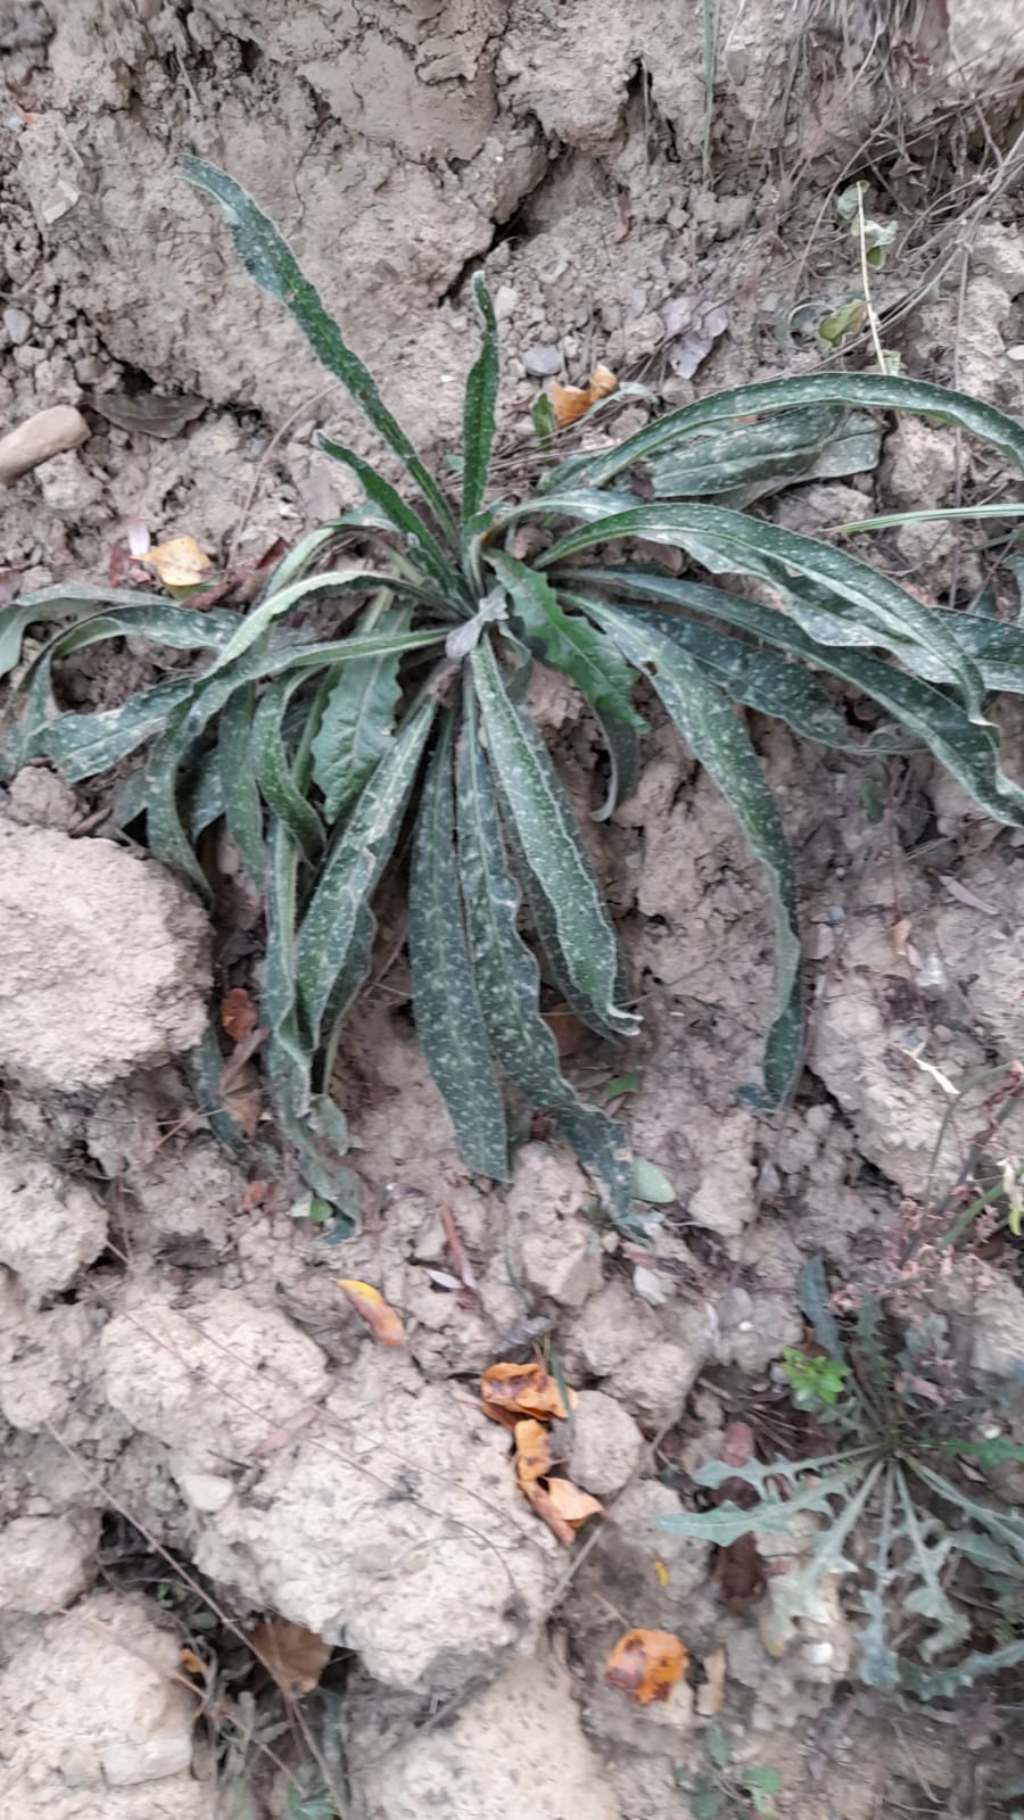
[744,461]
[165,828]
[449,1020]
[426,550]
[508,982]
[354,866]
[312,1122]
[718,740]
[273,768]
[243,810]
[358,719]
[574,646]
[730,541]
[884,391]
[478,411]
[970,752]
[272,264]
[550,843]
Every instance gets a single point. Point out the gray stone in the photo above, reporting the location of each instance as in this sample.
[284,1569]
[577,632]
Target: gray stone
[543,360]
[17,325]
[606,1444]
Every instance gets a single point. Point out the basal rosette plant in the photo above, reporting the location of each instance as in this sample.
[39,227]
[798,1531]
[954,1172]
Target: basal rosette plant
[318,750]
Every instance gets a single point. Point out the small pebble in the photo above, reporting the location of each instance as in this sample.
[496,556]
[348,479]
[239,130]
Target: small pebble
[17,325]
[543,360]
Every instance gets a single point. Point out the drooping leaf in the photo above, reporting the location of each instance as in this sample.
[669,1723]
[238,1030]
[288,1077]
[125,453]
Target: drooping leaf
[508,981]
[719,742]
[449,1021]
[882,390]
[478,410]
[354,866]
[56,603]
[270,262]
[745,461]
[297,560]
[81,745]
[771,684]
[257,623]
[724,541]
[551,844]
[968,751]
[243,810]
[571,644]
[358,718]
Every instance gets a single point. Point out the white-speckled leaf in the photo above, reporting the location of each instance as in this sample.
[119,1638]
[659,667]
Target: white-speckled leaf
[550,843]
[731,542]
[571,644]
[969,751]
[449,1020]
[508,982]
[358,721]
[354,866]
[243,810]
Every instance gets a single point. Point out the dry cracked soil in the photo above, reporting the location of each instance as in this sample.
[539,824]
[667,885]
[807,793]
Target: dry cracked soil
[199,1434]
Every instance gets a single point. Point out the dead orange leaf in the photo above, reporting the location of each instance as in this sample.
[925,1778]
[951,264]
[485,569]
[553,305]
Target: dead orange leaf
[242,1098]
[238,1014]
[533,1452]
[380,1318]
[542,1504]
[570,402]
[572,1504]
[562,1506]
[191,1663]
[646,1664]
[295,1656]
[179,563]
[510,1392]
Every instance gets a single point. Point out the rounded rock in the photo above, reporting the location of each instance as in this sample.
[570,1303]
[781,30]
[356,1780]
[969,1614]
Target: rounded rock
[606,1444]
[48,433]
[106,965]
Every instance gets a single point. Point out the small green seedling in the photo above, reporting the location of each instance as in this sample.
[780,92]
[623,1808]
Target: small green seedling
[728,1790]
[815,1383]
